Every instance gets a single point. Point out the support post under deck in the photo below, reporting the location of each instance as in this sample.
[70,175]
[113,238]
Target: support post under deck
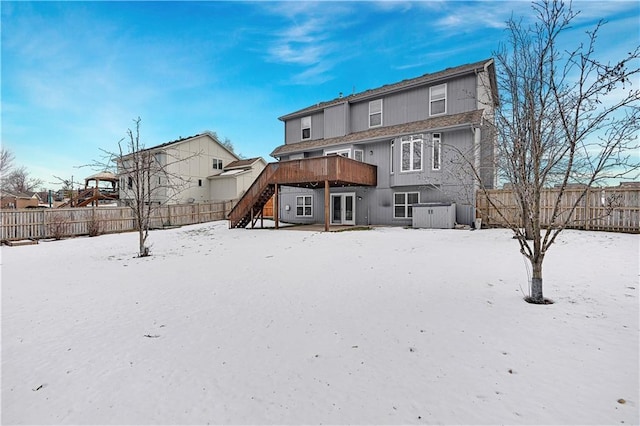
[326,206]
[276,207]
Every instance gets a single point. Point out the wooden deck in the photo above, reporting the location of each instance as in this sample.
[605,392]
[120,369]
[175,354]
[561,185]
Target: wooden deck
[317,172]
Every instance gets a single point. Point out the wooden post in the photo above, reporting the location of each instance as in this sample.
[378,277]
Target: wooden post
[587,212]
[326,206]
[276,207]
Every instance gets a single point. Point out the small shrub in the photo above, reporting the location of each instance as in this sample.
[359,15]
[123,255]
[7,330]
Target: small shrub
[94,227]
[59,226]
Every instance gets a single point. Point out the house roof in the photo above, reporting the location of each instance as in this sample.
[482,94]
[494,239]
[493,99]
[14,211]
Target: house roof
[181,140]
[403,85]
[431,124]
[240,164]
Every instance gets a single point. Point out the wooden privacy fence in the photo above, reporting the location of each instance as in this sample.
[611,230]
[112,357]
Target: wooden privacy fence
[602,209]
[25,224]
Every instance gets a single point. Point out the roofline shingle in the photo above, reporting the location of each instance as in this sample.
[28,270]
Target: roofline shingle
[471,118]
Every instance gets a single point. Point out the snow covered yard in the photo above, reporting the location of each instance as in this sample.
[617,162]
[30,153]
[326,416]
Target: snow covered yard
[387,326]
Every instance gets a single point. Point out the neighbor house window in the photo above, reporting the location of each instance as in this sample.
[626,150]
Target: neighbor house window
[403,204]
[129,182]
[411,153]
[217,164]
[375,113]
[438,99]
[303,206]
[436,151]
[306,127]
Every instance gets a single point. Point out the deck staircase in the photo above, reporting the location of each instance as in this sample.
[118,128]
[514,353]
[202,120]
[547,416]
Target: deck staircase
[249,208]
[308,172]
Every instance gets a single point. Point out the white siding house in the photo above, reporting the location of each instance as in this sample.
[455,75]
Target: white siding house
[192,165]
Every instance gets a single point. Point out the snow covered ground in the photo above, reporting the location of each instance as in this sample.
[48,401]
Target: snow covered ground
[386,326]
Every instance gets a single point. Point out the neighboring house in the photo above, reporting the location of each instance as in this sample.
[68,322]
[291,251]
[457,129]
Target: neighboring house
[235,178]
[9,200]
[368,158]
[193,165]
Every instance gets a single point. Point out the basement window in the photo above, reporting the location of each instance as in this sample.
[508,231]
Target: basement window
[304,206]
[403,204]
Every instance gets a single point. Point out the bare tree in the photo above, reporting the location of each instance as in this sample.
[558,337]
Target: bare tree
[6,162]
[19,181]
[565,120]
[147,179]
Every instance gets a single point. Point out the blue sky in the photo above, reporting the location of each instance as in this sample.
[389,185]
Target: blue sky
[75,74]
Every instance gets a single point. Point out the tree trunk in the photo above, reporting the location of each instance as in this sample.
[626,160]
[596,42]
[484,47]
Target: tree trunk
[536,282]
[143,249]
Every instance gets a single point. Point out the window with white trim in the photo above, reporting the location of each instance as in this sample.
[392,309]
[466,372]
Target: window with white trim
[358,155]
[391,154]
[217,164]
[411,153]
[306,127]
[342,152]
[403,204]
[438,99]
[304,206]
[375,113]
[436,151]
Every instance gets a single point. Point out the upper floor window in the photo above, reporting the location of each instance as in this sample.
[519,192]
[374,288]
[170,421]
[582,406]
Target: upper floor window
[306,127]
[438,99]
[436,160]
[217,164]
[375,113]
[411,153]
[358,155]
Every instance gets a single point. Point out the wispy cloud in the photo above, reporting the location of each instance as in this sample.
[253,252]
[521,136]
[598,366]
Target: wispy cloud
[307,37]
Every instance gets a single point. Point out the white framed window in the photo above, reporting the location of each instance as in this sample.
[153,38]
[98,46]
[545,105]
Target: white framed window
[217,164]
[358,155]
[436,151]
[411,153]
[438,99]
[375,113]
[403,204]
[342,152]
[304,206]
[306,127]
[392,149]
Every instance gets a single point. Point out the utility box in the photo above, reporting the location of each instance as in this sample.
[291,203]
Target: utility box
[434,215]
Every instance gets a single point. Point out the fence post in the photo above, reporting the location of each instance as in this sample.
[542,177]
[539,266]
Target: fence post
[587,202]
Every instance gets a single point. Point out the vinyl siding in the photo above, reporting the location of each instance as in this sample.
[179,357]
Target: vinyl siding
[334,121]
[293,128]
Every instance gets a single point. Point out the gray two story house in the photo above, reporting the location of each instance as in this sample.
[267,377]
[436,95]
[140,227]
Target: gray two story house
[371,158]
